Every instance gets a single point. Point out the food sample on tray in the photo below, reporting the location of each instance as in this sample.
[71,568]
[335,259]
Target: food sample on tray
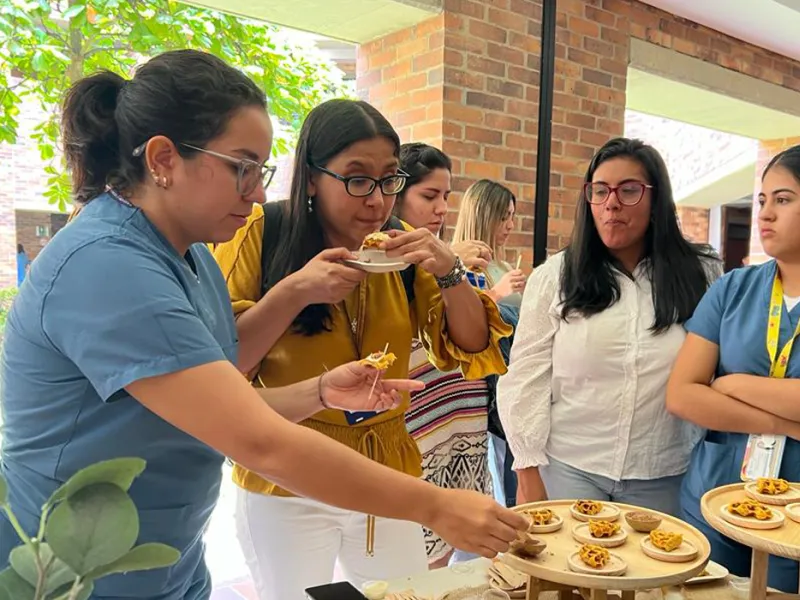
[588,507]
[540,517]
[594,556]
[771,487]
[750,508]
[667,541]
[374,240]
[379,360]
[603,529]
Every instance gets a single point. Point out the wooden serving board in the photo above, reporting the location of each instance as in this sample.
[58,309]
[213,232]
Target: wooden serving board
[643,572]
[783,541]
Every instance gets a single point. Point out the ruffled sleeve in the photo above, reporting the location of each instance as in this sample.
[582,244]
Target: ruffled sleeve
[240,262]
[442,351]
[524,394]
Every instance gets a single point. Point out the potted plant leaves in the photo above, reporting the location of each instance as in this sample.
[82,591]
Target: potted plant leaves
[87,530]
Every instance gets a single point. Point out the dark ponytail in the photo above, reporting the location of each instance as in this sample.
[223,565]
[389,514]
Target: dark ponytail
[90,133]
[185,95]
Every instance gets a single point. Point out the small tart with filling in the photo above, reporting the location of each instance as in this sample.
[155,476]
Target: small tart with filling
[541,517]
[379,360]
[374,240]
[603,529]
[588,507]
[667,541]
[594,556]
[750,508]
[771,487]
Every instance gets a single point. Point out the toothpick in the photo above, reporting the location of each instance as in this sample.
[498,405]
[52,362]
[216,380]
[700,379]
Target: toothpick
[378,374]
[519,261]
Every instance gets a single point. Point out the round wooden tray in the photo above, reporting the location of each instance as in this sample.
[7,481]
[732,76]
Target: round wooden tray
[643,572]
[783,541]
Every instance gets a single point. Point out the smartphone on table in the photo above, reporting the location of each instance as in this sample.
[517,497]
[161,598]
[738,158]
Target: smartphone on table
[342,590]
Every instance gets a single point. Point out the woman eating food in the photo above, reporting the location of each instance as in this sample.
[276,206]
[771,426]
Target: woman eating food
[448,418]
[302,307]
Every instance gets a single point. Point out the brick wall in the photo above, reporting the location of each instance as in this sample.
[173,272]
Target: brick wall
[28,223]
[767,149]
[468,80]
[694,223]
[8,248]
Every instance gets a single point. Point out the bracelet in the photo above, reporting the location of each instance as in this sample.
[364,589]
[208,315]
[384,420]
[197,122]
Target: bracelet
[454,277]
[319,392]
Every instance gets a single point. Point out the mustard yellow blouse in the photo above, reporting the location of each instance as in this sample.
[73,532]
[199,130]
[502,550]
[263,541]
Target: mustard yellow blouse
[380,310]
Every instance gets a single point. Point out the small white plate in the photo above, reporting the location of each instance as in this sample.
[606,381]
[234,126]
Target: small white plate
[370,267]
[793,511]
[615,567]
[789,496]
[751,522]
[683,553]
[609,512]
[715,573]
[581,533]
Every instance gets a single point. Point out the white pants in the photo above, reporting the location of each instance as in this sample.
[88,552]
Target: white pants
[291,544]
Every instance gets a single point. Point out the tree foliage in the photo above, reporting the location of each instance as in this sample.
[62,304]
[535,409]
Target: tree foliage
[45,45]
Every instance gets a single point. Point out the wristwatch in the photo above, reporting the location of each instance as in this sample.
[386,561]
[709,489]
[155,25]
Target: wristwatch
[454,277]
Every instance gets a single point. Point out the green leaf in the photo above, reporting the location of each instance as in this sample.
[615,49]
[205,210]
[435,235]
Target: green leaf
[3,491]
[93,527]
[141,558]
[118,471]
[23,561]
[14,587]
[73,11]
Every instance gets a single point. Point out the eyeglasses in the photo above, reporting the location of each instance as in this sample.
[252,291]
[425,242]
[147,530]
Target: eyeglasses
[362,186]
[629,193]
[249,173]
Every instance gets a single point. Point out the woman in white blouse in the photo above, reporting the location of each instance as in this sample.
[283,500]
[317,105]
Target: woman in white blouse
[583,403]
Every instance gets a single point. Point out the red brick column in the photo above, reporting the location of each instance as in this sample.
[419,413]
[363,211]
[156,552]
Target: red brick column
[767,149]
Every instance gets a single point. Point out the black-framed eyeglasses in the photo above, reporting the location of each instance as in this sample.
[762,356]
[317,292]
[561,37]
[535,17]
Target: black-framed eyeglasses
[249,173]
[629,193]
[362,186]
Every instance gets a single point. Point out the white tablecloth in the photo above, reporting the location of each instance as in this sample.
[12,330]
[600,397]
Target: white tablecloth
[435,583]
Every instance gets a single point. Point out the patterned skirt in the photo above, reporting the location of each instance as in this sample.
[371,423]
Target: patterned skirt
[448,420]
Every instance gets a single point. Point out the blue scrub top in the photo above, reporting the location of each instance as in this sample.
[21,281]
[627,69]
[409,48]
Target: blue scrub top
[108,302]
[733,314]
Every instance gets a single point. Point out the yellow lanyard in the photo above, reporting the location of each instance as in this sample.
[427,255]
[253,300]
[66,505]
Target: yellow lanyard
[778,362]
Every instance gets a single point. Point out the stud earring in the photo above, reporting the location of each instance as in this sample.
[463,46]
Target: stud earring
[164,182]
[310,204]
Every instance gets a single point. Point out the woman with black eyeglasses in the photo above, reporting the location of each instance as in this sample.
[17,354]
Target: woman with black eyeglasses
[583,403]
[301,311]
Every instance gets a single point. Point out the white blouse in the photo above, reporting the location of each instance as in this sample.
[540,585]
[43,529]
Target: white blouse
[590,392]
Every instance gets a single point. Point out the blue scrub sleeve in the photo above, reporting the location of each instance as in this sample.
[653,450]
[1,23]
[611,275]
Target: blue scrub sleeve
[707,318]
[120,314]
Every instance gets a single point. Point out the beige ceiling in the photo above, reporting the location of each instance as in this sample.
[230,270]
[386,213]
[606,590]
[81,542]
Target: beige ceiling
[655,95]
[355,21]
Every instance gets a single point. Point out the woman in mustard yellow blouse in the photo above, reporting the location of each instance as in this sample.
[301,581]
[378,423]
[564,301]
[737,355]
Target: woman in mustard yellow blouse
[300,311]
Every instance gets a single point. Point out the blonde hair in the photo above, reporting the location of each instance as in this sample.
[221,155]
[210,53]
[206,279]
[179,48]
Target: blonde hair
[484,206]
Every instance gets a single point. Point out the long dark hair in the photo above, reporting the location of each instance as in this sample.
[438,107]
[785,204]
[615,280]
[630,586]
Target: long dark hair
[679,279]
[185,95]
[789,159]
[419,160]
[329,129]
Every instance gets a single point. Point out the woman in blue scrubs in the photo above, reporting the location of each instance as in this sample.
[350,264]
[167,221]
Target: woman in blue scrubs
[735,379]
[121,343]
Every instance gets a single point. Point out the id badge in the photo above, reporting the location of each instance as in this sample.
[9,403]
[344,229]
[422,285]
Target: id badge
[354,418]
[763,456]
